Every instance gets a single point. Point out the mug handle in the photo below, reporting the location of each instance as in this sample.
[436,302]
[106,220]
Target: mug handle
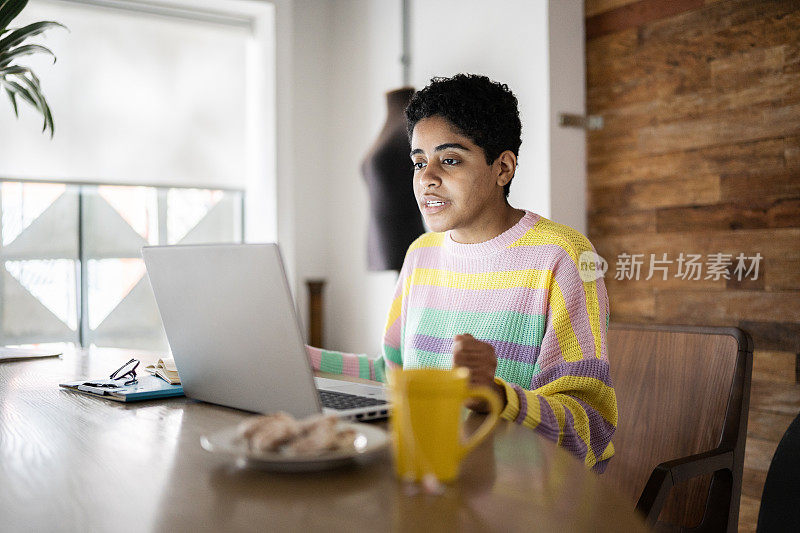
[488,425]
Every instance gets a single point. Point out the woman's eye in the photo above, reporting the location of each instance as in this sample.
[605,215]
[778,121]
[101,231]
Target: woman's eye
[418,165]
[450,161]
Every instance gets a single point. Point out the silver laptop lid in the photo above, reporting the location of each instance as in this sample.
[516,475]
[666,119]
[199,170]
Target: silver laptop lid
[230,321]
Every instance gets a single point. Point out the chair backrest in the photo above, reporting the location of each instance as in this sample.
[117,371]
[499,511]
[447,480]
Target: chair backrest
[681,390]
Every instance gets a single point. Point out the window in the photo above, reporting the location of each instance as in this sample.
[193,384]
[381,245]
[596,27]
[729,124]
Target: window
[72,271]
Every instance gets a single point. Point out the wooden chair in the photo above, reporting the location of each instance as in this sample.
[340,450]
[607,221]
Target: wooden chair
[683,394]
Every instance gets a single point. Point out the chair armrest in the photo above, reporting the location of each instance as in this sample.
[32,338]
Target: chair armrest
[670,473]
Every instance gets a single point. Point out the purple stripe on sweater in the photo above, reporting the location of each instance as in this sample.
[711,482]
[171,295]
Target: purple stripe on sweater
[523,404]
[600,429]
[505,350]
[600,467]
[549,424]
[592,368]
[571,440]
[519,299]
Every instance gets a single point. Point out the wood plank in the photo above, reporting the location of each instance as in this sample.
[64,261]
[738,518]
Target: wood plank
[758,453]
[653,101]
[774,366]
[754,214]
[658,282]
[782,336]
[613,222]
[748,514]
[687,56]
[632,304]
[780,243]
[783,185]
[739,69]
[729,306]
[724,19]
[635,14]
[615,44]
[767,426]
[753,482]
[749,158]
[771,397]
[697,190]
[782,274]
[593,7]
[791,153]
[751,125]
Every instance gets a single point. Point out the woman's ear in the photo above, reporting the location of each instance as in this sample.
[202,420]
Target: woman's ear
[506,164]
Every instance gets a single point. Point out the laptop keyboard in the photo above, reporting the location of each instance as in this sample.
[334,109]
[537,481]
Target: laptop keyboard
[341,401]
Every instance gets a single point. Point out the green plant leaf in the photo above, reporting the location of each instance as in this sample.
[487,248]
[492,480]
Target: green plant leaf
[13,97]
[20,34]
[9,9]
[28,49]
[21,91]
[41,102]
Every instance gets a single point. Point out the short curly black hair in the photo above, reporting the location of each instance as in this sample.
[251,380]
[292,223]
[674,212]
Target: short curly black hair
[483,110]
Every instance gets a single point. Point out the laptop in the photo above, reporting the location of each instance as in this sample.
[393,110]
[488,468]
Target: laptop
[231,324]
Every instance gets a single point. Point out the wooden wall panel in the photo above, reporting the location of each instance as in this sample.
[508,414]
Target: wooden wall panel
[700,153]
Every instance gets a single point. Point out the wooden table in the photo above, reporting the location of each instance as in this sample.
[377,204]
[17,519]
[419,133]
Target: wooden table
[70,462]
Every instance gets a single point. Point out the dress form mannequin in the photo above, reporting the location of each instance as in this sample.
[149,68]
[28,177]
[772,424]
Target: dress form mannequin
[395,220]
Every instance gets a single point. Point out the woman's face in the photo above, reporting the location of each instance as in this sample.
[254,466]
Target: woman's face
[455,188]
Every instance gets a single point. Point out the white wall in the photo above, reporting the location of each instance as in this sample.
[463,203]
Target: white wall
[346,59]
[567,94]
[507,41]
[346,56]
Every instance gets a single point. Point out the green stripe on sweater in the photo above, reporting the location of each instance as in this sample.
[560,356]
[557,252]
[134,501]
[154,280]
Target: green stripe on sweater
[363,367]
[507,326]
[516,372]
[392,354]
[331,362]
[424,359]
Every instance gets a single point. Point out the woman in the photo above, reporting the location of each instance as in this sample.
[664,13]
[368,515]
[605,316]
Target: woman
[493,288]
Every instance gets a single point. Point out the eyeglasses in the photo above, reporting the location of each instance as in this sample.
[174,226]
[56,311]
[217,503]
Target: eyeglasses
[126,370]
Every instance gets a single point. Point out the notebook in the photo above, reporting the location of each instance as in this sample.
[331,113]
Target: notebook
[18,354]
[166,370]
[147,388]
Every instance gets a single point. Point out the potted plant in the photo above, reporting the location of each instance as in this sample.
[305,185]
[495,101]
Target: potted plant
[17,80]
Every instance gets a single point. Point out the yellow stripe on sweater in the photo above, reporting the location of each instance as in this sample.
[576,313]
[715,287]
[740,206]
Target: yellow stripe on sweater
[546,231]
[564,331]
[588,390]
[397,305]
[426,240]
[533,278]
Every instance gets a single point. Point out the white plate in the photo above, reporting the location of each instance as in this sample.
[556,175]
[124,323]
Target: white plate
[369,441]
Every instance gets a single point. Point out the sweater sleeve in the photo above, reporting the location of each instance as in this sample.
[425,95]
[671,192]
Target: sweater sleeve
[356,365]
[571,399]
[361,365]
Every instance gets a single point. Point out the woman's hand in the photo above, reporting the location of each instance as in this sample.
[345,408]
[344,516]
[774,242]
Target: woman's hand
[480,359]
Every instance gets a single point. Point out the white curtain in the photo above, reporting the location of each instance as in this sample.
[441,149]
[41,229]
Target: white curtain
[136,98]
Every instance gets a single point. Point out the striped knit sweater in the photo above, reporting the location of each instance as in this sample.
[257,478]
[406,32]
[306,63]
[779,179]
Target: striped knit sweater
[520,292]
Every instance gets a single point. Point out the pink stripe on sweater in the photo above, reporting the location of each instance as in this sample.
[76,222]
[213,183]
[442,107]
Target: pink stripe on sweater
[516,258]
[518,299]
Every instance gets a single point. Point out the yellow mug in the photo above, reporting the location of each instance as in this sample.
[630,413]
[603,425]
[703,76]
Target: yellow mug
[426,421]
